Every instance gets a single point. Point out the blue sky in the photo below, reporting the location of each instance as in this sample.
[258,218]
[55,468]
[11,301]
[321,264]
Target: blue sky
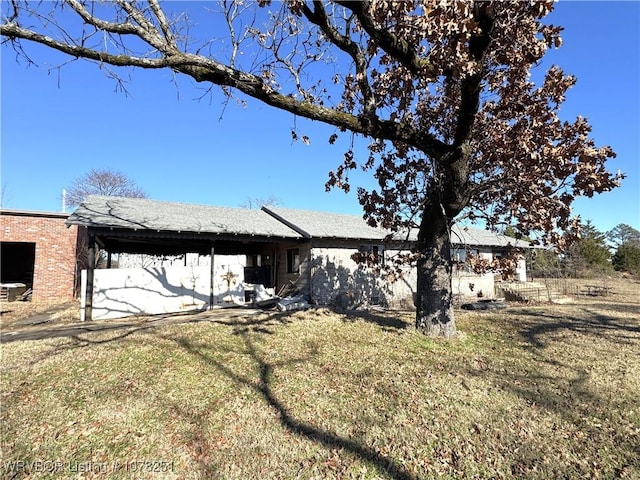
[55,127]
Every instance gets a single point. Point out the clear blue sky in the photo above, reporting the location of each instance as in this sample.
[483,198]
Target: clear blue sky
[176,147]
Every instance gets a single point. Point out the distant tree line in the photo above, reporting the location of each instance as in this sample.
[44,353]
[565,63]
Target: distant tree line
[594,253]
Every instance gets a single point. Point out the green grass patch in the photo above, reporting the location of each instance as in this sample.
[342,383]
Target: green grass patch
[531,392]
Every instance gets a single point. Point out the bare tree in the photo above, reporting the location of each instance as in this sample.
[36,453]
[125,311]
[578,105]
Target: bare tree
[443,91]
[105,182]
[258,202]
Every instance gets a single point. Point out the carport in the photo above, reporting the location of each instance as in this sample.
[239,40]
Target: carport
[134,225]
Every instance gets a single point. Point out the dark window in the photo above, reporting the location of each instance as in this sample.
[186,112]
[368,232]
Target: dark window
[372,253]
[18,262]
[293,260]
[254,260]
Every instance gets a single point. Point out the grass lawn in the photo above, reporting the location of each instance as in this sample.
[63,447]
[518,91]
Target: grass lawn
[529,392]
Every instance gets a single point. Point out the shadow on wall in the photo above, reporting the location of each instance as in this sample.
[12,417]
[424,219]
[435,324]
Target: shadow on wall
[344,288]
[347,288]
[155,290]
[471,286]
[137,291]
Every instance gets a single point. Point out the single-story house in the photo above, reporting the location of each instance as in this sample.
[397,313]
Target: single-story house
[38,252]
[274,248]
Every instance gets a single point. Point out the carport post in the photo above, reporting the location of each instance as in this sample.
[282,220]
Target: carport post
[91,260]
[211,282]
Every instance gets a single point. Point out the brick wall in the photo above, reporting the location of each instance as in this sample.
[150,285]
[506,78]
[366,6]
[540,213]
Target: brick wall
[55,252]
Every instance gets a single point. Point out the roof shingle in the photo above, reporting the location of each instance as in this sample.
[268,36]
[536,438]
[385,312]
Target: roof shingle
[326,225]
[145,214]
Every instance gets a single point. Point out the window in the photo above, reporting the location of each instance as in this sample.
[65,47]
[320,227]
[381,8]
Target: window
[254,260]
[372,254]
[293,260]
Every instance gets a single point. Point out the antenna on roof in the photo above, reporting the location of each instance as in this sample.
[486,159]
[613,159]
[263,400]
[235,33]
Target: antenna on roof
[64,200]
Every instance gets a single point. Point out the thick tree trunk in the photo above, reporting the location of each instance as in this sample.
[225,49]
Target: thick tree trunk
[434,306]
[448,196]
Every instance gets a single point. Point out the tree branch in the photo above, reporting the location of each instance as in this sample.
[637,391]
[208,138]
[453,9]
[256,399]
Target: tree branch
[164,24]
[13,31]
[395,46]
[147,31]
[254,87]
[204,69]
[318,16]
[472,84]
[118,28]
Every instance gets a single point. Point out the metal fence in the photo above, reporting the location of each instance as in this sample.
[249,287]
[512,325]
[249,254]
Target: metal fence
[537,290]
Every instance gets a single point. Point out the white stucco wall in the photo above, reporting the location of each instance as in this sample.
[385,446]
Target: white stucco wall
[334,272]
[470,286]
[124,292]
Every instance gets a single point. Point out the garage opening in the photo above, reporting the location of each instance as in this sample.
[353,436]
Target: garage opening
[18,261]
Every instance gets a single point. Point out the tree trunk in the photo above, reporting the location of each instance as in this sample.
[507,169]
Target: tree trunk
[434,306]
[446,199]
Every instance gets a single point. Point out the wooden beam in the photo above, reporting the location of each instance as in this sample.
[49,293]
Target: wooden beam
[91,260]
[212,274]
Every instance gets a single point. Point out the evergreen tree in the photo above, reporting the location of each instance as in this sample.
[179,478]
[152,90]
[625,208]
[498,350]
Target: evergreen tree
[589,254]
[627,258]
[622,234]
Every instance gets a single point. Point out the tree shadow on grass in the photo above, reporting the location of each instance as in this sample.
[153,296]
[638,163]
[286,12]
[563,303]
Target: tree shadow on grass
[542,325]
[262,385]
[389,322]
[73,341]
[547,371]
[246,327]
[624,308]
[198,441]
[575,411]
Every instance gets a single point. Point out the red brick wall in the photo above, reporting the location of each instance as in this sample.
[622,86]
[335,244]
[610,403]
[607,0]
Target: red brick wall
[56,246]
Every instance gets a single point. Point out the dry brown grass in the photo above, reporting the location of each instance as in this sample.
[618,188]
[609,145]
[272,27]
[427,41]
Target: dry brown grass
[11,313]
[530,392]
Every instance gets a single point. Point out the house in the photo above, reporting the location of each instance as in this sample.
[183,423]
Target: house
[38,252]
[274,247]
[327,266]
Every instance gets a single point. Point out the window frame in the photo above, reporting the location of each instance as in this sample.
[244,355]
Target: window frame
[375,250]
[293,260]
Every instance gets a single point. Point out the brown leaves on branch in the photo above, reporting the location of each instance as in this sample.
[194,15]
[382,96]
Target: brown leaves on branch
[444,91]
[506,266]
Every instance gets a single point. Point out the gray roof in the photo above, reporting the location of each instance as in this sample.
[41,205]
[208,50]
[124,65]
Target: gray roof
[313,224]
[326,225]
[145,214]
[154,215]
[470,236]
